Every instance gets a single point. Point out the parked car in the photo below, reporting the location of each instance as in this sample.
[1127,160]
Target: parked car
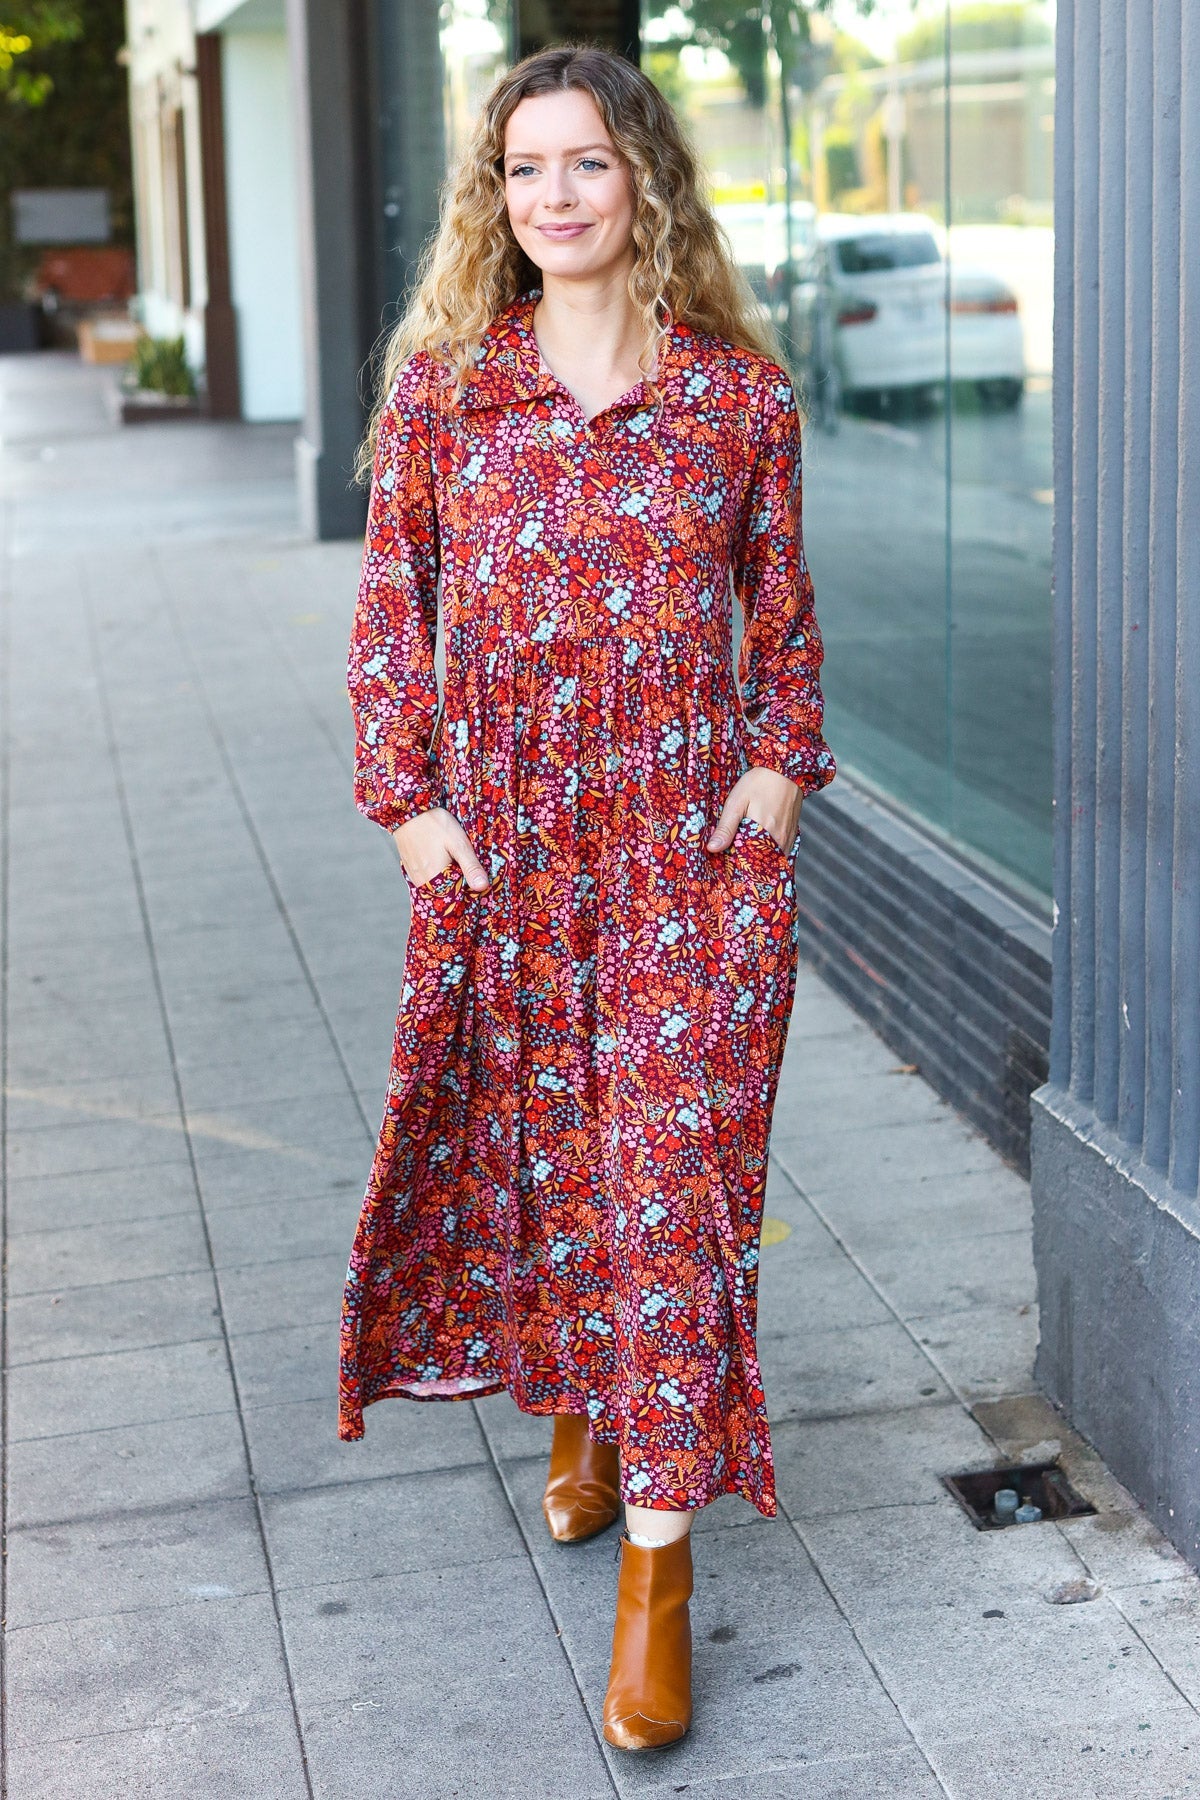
[744,222]
[756,232]
[869,315]
[780,258]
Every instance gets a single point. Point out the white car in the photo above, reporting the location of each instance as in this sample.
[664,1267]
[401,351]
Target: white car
[783,257]
[870,309]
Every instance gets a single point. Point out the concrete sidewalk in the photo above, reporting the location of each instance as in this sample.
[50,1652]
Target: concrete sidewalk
[206,1593]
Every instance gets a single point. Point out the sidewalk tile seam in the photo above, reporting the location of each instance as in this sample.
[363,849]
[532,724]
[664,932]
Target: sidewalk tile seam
[127,1516]
[853,1759]
[331,1319]
[183,1604]
[1109,1596]
[551,1611]
[168,1345]
[280,1262]
[228,1712]
[134,1165]
[795,1527]
[433,1567]
[896,1317]
[1185,1578]
[61,1437]
[96,1287]
[75,1355]
[1168,1710]
[333,1192]
[866,1414]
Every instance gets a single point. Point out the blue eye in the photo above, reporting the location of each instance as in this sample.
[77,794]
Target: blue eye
[595,161]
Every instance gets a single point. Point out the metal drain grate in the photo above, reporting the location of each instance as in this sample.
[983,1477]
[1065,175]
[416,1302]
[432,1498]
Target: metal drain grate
[1042,1485]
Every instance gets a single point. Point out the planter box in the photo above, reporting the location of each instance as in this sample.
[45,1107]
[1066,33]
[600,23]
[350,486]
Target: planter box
[108,338]
[141,405]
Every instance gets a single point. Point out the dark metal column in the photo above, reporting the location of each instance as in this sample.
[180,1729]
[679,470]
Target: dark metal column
[1116,1129]
[328,43]
[220,320]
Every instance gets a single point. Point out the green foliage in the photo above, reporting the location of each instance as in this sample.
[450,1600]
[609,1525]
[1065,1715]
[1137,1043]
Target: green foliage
[161,365]
[977,26]
[26,32]
[78,136]
[841,162]
[743,33]
[849,55]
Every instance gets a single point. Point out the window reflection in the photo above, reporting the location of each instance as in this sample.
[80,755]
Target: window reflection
[1001,244]
[476,39]
[885,177]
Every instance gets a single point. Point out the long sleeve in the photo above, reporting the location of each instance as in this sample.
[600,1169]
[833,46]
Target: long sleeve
[781,650]
[391,677]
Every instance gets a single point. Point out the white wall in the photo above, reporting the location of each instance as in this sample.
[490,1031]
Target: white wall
[261,198]
[161,54]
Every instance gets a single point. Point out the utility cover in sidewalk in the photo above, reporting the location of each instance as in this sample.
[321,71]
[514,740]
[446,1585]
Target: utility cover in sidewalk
[998,1499]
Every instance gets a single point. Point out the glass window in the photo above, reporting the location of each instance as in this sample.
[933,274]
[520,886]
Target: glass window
[476,43]
[878,251]
[885,175]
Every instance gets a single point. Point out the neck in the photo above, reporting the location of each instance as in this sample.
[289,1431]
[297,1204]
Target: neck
[596,319]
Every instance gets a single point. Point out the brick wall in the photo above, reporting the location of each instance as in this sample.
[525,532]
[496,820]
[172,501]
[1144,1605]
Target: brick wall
[953,974]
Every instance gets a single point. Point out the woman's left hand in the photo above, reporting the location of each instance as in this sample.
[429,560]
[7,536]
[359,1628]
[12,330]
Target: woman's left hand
[766,796]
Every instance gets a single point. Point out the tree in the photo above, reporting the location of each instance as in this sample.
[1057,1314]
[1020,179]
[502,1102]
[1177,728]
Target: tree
[743,34]
[27,32]
[74,131]
[977,27]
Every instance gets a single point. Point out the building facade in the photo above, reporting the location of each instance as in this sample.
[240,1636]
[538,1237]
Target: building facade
[216,196]
[971,226]
[1116,1129]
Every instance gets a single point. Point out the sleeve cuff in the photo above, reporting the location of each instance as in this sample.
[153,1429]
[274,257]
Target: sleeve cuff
[810,765]
[391,810]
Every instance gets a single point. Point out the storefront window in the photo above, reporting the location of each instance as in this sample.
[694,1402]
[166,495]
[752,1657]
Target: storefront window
[476,42]
[885,177]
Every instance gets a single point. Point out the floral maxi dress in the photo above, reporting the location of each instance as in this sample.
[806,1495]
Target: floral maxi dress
[566,1198]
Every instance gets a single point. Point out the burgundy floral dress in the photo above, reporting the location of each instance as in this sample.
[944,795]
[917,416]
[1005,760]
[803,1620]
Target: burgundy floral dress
[567,1194]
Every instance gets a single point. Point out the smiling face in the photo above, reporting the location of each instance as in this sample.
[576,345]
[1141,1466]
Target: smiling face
[567,187]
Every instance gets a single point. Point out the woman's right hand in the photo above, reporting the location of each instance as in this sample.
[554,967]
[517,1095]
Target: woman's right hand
[434,840]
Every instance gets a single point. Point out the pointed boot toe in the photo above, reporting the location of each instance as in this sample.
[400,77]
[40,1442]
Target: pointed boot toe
[582,1494]
[639,1733]
[649,1698]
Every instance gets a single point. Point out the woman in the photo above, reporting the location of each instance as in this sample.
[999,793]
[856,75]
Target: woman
[582,434]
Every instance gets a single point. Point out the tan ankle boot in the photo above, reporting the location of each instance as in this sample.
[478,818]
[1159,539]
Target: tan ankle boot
[582,1490]
[649,1699]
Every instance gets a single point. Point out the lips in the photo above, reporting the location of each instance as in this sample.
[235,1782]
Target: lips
[563,231]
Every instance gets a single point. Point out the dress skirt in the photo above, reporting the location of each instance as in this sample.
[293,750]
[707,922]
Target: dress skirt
[567,1193]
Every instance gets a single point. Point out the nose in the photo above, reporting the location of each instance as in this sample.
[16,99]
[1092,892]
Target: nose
[558,189]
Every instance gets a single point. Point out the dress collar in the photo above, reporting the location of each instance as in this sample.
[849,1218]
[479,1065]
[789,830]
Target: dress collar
[508,364]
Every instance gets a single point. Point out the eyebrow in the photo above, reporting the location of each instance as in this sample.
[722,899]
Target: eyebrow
[577,151]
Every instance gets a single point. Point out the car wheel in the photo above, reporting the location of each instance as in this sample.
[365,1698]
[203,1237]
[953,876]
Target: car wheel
[1002,394]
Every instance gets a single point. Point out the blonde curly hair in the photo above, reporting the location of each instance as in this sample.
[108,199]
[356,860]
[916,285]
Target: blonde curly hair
[472,266]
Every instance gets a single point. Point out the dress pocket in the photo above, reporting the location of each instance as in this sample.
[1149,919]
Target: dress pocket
[445,906]
[447,881]
[770,869]
[444,913]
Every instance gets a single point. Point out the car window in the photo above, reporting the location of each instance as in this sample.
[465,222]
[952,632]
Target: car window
[880,250]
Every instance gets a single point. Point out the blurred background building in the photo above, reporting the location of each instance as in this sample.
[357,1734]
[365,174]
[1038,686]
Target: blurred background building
[969,220]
